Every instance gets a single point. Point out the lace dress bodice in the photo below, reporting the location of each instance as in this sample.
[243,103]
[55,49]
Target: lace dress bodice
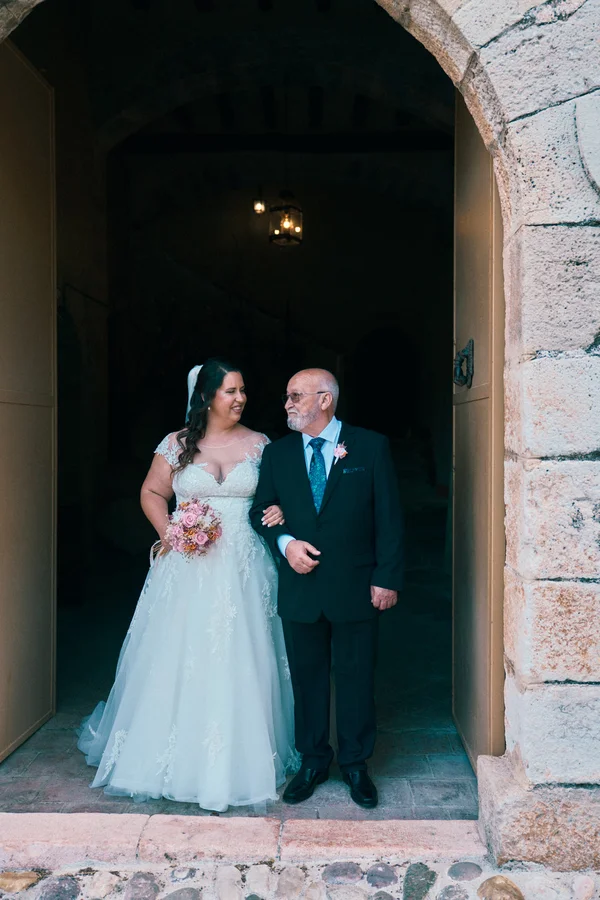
[225,478]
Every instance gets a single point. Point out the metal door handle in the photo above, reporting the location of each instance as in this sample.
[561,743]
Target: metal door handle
[462,377]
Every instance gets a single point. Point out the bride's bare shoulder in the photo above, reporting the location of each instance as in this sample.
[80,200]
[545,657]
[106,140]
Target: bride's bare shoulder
[256,437]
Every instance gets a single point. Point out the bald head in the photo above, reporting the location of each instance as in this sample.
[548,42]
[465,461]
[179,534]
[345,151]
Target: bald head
[313,400]
[321,380]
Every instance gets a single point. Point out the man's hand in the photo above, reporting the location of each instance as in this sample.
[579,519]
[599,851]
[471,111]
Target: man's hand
[382,598]
[297,555]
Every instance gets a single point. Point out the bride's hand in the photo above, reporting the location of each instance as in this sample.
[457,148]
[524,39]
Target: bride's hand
[273,515]
[164,546]
[158,548]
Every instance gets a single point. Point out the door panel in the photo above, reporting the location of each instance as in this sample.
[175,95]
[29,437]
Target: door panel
[478,547]
[27,401]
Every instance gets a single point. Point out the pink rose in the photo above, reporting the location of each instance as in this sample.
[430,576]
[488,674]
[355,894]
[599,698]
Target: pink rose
[201,538]
[188,519]
[171,535]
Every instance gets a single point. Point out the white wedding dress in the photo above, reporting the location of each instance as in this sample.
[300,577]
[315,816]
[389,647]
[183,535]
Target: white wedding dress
[201,709]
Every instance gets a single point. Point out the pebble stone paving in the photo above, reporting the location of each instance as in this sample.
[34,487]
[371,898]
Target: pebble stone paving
[270,880]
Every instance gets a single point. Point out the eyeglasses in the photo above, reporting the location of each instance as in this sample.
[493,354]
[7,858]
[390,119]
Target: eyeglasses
[295,396]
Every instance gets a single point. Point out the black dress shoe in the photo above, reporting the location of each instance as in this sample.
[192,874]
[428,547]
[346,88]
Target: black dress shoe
[302,786]
[362,789]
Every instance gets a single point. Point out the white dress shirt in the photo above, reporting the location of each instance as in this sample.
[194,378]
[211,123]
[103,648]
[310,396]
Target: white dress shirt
[331,436]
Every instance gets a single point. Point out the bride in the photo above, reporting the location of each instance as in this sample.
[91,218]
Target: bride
[201,710]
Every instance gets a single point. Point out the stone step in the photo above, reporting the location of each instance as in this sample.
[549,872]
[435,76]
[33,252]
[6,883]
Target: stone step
[51,840]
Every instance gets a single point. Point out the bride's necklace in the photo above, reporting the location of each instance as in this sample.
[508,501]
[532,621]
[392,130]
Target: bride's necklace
[220,446]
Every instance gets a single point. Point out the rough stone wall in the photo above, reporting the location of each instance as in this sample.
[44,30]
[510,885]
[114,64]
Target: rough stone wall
[12,13]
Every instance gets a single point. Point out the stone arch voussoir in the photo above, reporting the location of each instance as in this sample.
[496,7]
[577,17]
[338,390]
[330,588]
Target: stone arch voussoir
[12,13]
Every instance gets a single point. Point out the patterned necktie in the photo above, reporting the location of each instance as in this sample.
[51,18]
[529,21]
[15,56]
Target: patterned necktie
[317,473]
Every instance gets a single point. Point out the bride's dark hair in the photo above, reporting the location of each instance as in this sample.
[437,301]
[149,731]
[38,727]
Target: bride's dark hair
[210,378]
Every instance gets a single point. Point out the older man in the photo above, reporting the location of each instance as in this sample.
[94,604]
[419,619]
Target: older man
[343,544]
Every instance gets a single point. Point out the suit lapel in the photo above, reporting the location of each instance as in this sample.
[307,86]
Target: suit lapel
[337,468]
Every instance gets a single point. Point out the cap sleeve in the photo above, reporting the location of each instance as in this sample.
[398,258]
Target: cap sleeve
[170,449]
[262,441]
[255,445]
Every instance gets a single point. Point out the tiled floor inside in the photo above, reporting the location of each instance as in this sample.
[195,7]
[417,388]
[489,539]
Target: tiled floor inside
[419,765]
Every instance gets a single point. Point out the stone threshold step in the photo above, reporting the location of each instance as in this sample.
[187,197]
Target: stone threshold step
[52,840]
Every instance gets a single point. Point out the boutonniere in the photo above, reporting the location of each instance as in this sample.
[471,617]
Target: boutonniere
[340,452]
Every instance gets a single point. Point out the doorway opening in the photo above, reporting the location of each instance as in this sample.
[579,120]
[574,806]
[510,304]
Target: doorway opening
[190,274]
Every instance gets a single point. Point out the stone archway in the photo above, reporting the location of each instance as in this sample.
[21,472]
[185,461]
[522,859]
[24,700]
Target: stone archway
[12,14]
[530,75]
[531,80]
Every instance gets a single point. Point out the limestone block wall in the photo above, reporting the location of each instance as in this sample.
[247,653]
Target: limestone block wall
[12,14]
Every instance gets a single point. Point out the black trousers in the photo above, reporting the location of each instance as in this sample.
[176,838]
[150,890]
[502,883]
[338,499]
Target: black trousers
[309,648]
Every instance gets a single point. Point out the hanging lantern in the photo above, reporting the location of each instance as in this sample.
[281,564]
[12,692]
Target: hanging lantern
[259,206]
[285,222]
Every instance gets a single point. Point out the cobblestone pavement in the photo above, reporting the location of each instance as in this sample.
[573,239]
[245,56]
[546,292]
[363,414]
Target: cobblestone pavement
[383,879]
[419,765]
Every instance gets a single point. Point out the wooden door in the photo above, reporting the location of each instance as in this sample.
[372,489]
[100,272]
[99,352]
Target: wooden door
[27,401]
[478,502]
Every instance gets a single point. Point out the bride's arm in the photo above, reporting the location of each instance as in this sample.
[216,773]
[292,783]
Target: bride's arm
[155,494]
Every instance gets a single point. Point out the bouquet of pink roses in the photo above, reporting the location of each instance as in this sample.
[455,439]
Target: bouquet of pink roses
[193,528]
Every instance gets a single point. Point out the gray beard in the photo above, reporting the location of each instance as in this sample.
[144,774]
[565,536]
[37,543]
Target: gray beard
[298,423]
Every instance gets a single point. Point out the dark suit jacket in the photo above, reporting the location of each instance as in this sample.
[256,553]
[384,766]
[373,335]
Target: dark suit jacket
[358,530]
